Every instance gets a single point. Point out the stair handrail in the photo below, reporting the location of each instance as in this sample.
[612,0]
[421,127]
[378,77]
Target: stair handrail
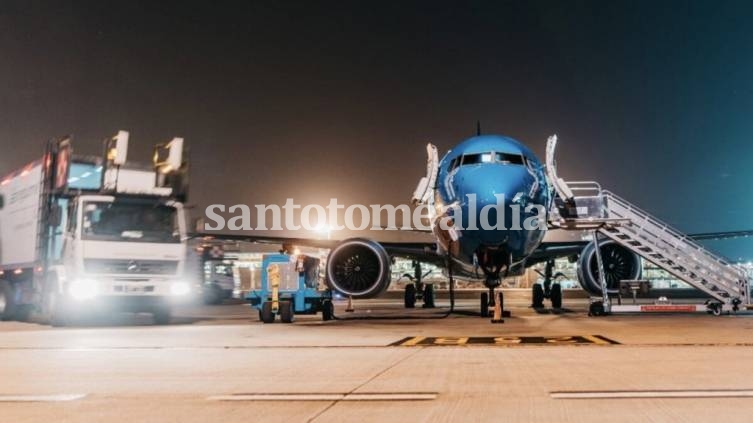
[676,233]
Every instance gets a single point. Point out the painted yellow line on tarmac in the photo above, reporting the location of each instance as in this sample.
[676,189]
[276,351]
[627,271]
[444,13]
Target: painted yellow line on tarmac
[503,341]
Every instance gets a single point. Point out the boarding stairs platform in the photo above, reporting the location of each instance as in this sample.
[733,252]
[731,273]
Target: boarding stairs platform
[585,206]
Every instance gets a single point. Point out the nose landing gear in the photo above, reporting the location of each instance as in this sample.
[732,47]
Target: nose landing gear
[492,265]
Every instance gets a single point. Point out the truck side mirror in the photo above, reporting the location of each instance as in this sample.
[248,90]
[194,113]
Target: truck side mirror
[2,201]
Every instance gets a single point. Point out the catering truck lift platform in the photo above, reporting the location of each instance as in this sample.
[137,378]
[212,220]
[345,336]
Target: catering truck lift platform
[289,286]
[80,234]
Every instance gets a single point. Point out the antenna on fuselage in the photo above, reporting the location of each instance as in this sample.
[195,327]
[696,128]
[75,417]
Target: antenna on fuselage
[478,127]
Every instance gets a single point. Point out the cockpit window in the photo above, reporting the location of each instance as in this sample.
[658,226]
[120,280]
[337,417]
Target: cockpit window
[478,158]
[454,163]
[470,159]
[502,158]
[510,158]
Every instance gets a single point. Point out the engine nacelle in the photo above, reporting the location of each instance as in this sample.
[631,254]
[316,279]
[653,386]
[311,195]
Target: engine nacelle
[619,264]
[359,268]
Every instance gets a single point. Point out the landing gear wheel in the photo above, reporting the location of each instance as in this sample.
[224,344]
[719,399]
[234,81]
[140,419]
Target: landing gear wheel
[538,296]
[265,314]
[328,310]
[596,309]
[410,295]
[429,295]
[162,315]
[287,313]
[556,296]
[8,305]
[484,304]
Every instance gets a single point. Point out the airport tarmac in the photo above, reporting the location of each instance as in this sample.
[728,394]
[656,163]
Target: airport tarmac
[219,363]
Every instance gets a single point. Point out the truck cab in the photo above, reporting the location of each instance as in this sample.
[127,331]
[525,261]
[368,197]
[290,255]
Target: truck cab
[123,253]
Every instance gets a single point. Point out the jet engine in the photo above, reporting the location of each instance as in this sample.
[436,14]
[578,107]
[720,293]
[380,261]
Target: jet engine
[619,264]
[359,268]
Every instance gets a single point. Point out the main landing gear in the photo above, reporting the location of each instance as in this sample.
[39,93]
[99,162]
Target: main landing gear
[417,290]
[552,291]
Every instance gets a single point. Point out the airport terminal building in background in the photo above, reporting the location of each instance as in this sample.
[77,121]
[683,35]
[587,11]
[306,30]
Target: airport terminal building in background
[243,262]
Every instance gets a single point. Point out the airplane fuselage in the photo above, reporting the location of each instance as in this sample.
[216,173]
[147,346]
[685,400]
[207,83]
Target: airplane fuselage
[493,192]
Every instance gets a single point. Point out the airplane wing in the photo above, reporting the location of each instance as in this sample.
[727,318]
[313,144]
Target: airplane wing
[422,251]
[562,244]
[360,267]
[549,250]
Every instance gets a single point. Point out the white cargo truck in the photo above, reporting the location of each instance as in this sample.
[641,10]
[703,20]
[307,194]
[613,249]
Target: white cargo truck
[80,235]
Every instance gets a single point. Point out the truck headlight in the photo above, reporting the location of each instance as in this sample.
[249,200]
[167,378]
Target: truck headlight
[180,288]
[83,289]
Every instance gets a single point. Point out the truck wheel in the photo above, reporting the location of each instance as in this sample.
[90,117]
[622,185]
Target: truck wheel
[23,312]
[8,305]
[57,316]
[213,295]
[162,315]
[287,313]
[55,312]
[265,314]
[328,310]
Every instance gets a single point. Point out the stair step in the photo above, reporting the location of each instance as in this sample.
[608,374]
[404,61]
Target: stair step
[652,239]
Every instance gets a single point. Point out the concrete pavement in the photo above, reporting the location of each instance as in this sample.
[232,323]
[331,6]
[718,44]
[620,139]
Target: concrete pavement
[139,372]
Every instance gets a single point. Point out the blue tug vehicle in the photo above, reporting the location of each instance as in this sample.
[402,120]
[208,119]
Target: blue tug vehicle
[290,286]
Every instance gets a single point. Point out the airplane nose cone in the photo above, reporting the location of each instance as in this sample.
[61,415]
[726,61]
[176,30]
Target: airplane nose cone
[492,185]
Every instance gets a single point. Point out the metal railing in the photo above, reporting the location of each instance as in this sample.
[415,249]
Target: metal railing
[702,268]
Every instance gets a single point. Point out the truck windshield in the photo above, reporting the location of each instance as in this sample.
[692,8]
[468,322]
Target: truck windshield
[127,221]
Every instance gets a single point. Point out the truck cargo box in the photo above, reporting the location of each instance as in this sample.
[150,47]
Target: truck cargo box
[20,194]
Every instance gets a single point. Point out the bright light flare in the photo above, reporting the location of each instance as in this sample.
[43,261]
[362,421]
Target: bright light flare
[83,289]
[180,289]
[324,229]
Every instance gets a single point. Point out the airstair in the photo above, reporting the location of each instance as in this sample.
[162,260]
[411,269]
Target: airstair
[584,205]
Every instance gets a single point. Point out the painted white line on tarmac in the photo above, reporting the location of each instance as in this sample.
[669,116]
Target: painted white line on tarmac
[41,398]
[704,393]
[391,397]
[405,396]
[277,397]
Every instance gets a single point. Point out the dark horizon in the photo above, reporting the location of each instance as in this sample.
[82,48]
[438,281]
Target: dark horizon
[281,100]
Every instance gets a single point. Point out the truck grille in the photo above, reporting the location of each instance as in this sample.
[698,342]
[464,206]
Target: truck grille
[131,267]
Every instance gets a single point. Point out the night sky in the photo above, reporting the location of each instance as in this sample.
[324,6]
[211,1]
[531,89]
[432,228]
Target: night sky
[337,99]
